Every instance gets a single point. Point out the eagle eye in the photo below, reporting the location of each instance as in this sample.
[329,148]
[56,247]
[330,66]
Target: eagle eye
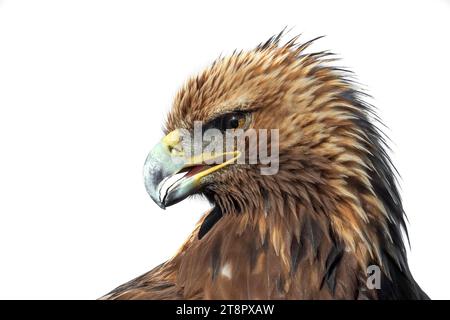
[232,120]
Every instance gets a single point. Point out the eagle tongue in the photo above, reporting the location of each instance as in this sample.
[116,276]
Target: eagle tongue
[194,170]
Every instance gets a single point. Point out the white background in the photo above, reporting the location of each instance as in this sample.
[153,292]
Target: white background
[85,85]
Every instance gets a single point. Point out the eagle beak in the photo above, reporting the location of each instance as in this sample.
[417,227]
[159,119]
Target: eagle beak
[170,176]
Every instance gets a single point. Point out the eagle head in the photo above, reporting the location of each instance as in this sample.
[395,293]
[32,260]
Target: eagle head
[311,136]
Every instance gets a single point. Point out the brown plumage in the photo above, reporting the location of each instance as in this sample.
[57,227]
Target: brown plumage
[311,230]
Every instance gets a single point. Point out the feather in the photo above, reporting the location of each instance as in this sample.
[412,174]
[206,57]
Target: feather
[211,219]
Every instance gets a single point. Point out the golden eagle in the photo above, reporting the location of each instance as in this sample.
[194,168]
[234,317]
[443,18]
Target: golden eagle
[310,231]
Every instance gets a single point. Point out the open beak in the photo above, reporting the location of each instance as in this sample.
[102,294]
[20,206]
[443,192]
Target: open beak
[170,176]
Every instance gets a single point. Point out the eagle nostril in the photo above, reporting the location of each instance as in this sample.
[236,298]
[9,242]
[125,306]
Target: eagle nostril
[174,150]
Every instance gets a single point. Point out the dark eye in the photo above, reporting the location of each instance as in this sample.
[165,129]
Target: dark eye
[234,120]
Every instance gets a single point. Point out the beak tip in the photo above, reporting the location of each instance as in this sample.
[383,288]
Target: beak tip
[160,204]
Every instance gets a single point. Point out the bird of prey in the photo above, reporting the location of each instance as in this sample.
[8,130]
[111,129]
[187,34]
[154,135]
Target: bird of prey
[326,224]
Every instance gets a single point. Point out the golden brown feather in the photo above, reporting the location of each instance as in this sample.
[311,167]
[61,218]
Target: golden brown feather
[310,231]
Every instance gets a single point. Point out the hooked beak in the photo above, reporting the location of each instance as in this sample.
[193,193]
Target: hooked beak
[170,176]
